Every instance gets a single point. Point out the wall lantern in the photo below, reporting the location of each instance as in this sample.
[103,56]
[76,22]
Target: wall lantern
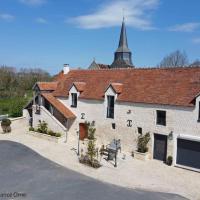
[170,136]
[129,112]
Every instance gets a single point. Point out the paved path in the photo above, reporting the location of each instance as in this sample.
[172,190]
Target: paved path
[23,170]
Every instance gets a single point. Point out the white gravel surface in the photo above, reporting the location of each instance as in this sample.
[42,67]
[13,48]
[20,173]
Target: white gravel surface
[149,175]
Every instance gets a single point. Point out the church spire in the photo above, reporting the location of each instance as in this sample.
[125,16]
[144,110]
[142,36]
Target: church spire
[122,54]
[123,43]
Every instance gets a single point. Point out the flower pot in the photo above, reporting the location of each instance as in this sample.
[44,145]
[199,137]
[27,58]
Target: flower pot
[6,129]
[141,156]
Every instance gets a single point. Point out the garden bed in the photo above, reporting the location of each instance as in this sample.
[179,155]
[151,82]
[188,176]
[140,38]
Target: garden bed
[86,161]
[45,136]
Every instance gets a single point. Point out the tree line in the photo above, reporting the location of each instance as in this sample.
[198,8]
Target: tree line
[177,59]
[18,83]
[16,88]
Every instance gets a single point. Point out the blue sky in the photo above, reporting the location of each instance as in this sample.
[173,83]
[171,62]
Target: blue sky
[49,33]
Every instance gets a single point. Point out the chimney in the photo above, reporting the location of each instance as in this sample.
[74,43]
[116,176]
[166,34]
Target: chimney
[66,68]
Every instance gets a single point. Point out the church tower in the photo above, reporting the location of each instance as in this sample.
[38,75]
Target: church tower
[122,58]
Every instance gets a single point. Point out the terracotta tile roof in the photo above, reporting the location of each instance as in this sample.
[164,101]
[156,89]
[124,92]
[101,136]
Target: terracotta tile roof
[58,76]
[47,85]
[59,106]
[117,87]
[80,86]
[169,86]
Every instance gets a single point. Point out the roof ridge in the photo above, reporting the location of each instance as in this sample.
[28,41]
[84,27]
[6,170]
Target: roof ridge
[139,68]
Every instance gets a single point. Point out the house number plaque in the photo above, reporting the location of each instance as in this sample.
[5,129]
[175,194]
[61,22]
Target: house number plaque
[82,115]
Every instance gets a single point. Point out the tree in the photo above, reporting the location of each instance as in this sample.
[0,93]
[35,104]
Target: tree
[195,63]
[175,59]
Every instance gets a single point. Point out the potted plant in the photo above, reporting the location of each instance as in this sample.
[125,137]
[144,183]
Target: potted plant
[169,160]
[5,124]
[142,149]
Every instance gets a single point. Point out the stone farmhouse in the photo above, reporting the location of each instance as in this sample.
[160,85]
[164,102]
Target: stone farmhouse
[122,101]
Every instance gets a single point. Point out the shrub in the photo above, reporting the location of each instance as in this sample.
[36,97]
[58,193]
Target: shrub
[31,129]
[143,140]
[42,127]
[5,124]
[53,134]
[16,107]
[84,159]
[50,132]
[169,160]
[58,134]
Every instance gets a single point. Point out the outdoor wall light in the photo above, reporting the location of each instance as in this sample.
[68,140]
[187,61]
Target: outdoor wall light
[129,112]
[170,136]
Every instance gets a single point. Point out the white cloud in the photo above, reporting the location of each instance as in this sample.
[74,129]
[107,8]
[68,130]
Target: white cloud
[196,40]
[109,14]
[7,17]
[41,20]
[187,27]
[33,2]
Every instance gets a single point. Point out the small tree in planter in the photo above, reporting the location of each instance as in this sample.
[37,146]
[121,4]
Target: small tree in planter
[90,157]
[142,148]
[5,124]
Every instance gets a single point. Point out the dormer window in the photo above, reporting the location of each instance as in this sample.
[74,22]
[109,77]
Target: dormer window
[110,106]
[74,100]
[199,113]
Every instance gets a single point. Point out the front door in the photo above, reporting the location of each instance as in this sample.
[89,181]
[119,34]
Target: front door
[82,131]
[160,147]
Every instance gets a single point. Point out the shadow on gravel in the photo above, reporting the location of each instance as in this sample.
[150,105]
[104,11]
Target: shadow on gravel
[36,178]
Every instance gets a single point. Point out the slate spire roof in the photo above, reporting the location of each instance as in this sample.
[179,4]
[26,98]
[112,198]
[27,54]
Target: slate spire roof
[123,43]
[123,54]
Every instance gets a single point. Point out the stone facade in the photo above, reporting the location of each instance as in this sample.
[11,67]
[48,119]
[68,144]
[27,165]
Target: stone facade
[129,116]
[45,115]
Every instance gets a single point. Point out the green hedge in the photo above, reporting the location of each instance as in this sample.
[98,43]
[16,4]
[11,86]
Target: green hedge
[12,106]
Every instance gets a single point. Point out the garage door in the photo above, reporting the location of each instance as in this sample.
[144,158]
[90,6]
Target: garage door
[188,153]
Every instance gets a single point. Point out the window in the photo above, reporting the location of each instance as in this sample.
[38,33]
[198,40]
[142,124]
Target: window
[74,100]
[139,130]
[161,118]
[110,107]
[113,126]
[199,113]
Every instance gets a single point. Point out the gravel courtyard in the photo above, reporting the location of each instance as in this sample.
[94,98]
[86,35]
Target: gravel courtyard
[149,175]
[33,177]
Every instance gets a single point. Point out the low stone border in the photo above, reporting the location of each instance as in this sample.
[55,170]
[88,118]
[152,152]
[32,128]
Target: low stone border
[141,156]
[17,118]
[45,136]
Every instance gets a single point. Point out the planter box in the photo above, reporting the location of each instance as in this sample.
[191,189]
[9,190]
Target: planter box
[141,156]
[45,136]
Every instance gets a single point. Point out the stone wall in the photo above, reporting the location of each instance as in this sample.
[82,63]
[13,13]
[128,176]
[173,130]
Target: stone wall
[130,116]
[53,123]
